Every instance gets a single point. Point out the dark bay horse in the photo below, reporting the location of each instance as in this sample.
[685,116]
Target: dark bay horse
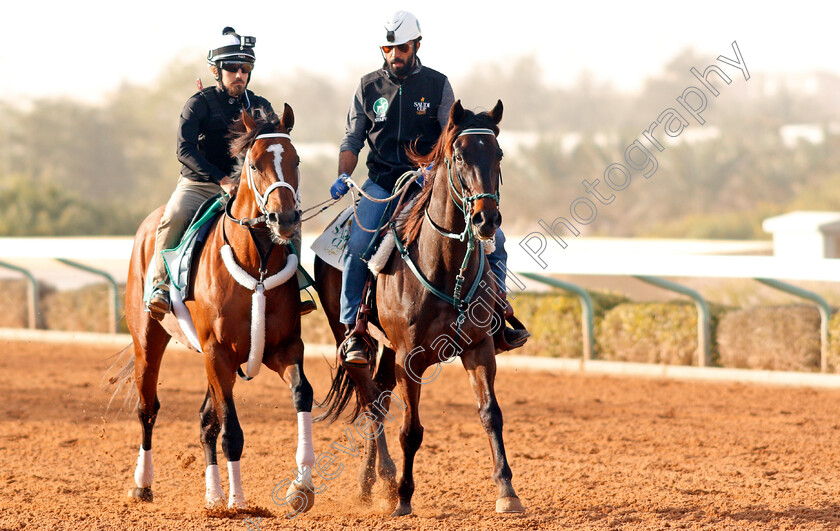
[435,301]
[239,286]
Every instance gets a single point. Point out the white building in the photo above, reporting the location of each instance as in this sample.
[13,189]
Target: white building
[805,235]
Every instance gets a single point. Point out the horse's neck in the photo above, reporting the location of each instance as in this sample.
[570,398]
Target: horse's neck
[441,256]
[248,244]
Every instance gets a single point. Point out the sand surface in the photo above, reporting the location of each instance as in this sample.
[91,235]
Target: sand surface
[587,452]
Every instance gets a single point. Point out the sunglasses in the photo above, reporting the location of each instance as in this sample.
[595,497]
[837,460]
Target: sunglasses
[403,48]
[236,67]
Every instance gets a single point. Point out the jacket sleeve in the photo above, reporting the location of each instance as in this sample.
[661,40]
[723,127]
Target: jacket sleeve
[195,113]
[356,126]
[447,99]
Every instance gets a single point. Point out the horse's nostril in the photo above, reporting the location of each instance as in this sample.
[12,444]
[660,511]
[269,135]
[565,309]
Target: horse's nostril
[272,217]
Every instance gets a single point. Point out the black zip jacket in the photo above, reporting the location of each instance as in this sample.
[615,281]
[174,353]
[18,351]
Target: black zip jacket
[391,114]
[202,133]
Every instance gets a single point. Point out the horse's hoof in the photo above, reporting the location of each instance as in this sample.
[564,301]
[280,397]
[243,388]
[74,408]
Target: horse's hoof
[509,504]
[403,509]
[236,501]
[141,494]
[303,500]
[214,502]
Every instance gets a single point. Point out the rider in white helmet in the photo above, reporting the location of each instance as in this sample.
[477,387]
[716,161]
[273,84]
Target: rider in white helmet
[401,104]
[206,163]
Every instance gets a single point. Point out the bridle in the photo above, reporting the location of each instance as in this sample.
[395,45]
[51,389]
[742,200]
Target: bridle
[262,199]
[462,201]
[465,204]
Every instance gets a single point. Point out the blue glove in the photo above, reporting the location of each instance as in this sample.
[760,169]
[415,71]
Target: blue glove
[339,187]
[422,179]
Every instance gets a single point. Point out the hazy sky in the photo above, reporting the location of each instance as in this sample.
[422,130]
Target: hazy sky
[85,48]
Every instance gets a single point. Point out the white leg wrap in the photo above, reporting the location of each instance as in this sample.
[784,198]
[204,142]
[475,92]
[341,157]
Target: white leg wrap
[305,455]
[144,473]
[236,499]
[214,496]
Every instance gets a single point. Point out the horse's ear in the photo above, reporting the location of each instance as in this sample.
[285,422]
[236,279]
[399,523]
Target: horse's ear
[288,118]
[496,113]
[456,113]
[249,122]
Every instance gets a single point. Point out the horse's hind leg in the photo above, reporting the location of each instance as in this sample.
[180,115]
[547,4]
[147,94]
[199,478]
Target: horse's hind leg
[148,352]
[214,496]
[385,381]
[481,367]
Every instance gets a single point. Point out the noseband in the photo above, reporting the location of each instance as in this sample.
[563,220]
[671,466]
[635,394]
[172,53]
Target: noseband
[262,199]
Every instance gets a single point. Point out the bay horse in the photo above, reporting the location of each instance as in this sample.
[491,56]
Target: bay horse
[243,261]
[423,324]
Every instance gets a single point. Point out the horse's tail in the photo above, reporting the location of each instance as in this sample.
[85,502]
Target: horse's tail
[342,390]
[122,378]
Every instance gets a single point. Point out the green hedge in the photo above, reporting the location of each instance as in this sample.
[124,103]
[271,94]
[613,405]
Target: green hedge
[782,338]
[554,320]
[779,338]
[654,332]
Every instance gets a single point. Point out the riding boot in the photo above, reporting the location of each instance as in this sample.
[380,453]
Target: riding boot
[515,336]
[355,347]
[159,304]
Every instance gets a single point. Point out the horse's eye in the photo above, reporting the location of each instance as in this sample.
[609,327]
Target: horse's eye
[253,167]
[459,159]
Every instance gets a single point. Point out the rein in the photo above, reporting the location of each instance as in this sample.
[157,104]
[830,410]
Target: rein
[465,205]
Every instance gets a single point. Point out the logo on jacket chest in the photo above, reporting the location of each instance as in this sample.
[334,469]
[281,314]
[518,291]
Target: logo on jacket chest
[422,106]
[380,109]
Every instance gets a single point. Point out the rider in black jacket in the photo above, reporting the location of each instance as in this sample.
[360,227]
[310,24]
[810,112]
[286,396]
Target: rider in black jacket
[399,105]
[206,163]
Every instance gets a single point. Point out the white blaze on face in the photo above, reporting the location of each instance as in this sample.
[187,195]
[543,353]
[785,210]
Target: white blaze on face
[277,149]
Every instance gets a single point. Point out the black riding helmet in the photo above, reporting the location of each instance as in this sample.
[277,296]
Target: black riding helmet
[232,48]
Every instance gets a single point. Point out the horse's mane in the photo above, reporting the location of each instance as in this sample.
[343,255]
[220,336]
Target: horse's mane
[241,139]
[441,150]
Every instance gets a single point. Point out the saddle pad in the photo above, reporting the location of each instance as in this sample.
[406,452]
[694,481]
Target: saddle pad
[178,261]
[329,246]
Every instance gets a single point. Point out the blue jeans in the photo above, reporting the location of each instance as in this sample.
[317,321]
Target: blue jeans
[358,247]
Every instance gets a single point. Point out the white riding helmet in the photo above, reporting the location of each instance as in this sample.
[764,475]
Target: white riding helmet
[232,47]
[401,27]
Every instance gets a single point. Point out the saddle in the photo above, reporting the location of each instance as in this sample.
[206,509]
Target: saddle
[180,261]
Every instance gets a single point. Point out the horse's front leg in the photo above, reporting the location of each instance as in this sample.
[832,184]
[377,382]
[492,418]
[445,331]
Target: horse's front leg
[214,496]
[480,364]
[411,437]
[301,491]
[221,375]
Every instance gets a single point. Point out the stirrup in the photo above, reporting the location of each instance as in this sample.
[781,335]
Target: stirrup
[307,306]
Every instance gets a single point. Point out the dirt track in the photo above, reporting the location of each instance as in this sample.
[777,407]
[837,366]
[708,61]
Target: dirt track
[587,452]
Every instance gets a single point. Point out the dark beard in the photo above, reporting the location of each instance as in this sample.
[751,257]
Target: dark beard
[228,89]
[404,70]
